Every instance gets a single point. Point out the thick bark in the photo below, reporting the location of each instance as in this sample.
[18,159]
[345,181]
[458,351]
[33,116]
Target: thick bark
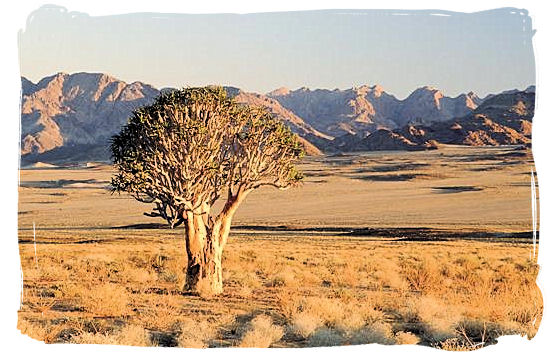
[204,255]
[204,241]
[204,270]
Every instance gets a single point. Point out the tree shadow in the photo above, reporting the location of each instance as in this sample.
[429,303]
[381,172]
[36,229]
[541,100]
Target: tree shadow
[456,189]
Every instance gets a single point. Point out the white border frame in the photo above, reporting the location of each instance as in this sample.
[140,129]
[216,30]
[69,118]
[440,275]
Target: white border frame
[14,19]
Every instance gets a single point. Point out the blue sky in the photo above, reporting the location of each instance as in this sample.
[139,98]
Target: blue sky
[401,50]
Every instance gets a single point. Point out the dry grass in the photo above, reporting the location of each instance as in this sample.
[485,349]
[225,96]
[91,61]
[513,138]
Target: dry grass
[452,295]
[196,334]
[262,333]
[96,284]
[305,324]
[130,335]
[105,299]
[406,338]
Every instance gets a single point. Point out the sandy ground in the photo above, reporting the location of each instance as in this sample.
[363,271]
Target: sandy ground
[456,188]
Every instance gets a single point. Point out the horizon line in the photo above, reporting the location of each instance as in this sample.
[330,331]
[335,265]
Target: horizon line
[429,87]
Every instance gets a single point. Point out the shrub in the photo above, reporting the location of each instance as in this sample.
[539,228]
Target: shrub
[262,333]
[326,337]
[129,335]
[406,338]
[105,300]
[304,324]
[196,334]
[378,332]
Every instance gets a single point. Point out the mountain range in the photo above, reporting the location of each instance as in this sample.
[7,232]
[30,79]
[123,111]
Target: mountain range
[71,117]
[337,112]
[503,119]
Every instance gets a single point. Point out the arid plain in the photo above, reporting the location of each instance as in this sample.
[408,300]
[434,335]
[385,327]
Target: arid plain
[432,248]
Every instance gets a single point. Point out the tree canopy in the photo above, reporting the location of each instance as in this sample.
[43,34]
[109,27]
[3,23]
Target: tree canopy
[192,146]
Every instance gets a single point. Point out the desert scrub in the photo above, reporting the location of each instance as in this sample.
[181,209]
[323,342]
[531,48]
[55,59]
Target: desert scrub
[434,317]
[423,275]
[107,299]
[326,337]
[262,333]
[378,332]
[406,338]
[499,291]
[132,335]
[304,323]
[195,334]
[160,314]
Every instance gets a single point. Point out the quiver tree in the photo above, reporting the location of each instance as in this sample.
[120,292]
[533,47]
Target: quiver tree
[191,148]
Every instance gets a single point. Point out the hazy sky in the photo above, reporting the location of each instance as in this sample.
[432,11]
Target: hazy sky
[482,52]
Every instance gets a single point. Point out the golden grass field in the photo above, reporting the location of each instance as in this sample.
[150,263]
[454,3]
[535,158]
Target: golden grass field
[429,248]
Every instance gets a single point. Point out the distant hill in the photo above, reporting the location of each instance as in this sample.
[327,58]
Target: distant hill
[368,108]
[76,110]
[71,117]
[502,119]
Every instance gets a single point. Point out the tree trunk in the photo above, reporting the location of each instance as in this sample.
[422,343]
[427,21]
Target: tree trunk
[204,255]
[204,270]
[204,242]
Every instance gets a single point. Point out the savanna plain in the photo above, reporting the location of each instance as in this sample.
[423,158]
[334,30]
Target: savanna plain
[433,248]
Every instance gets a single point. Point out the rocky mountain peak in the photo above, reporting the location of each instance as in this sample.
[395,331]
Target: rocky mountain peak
[375,90]
[81,108]
[428,93]
[378,90]
[470,100]
[281,91]
[51,81]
